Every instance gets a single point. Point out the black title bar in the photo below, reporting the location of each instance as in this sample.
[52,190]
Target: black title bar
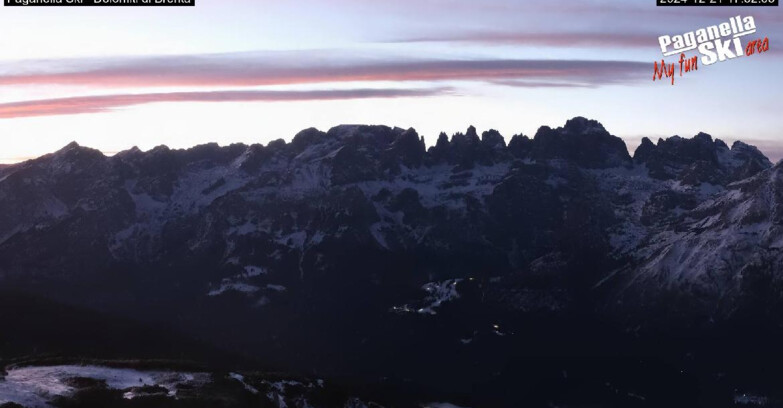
[716,2]
[105,3]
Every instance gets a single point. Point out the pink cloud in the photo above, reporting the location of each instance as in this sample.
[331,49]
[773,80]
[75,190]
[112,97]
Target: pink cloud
[558,39]
[102,103]
[253,70]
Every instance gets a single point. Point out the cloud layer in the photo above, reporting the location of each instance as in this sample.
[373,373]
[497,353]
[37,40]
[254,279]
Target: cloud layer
[552,39]
[144,74]
[250,70]
[102,103]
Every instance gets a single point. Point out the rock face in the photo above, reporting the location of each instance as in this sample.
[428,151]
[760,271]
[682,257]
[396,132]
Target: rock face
[582,142]
[339,232]
[700,159]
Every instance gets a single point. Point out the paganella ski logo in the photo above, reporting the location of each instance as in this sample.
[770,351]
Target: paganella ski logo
[715,43]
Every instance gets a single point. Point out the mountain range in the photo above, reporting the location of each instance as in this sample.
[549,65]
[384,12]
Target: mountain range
[359,253]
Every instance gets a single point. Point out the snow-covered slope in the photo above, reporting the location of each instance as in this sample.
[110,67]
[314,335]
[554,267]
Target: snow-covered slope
[72,385]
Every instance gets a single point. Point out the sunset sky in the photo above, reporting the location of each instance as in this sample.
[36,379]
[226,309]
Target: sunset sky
[252,71]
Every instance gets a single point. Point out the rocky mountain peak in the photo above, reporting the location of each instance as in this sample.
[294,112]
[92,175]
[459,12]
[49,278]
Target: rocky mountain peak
[699,159]
[370,134]
[583,141]
[493,139]
[409,148]
[73,149]
[72,157]
[132,152]
[580,125]
[747,152]
[705,139]
[307,137]
[471,133]
[70,146]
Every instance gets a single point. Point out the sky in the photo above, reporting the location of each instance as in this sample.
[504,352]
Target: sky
[252,71]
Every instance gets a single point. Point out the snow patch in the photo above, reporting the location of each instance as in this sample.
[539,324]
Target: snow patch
[377,233]
[34,387]
[438,293]
[241,379]
[750,399]
[293,240]
[233,286]
[253,271]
